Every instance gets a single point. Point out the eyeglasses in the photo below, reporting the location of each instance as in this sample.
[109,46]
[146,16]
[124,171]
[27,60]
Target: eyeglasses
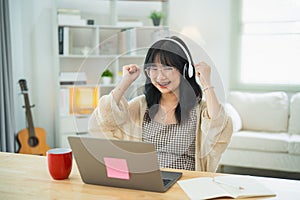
[152,71]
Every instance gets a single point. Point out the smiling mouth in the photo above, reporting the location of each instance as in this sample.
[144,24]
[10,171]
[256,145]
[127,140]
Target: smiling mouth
[163,84]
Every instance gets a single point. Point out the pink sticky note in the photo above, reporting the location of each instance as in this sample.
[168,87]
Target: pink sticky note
[116,168]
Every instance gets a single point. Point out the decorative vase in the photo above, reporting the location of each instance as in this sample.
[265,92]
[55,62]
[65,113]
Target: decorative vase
[156,21]
[106,80]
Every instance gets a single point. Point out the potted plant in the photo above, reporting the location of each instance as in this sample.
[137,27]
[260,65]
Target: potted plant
[107,76]
[156,16]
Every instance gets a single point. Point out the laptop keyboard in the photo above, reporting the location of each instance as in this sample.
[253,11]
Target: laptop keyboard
[166,181]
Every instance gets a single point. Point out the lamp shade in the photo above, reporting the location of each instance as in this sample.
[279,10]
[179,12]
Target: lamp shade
[83,99]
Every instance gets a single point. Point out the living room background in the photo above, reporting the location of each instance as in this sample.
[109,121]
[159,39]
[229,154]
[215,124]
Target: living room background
[35,50]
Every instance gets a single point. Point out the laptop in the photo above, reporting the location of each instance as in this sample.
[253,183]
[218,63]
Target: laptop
[120,163]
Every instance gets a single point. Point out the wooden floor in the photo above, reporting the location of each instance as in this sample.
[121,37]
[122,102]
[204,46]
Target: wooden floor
[259,172]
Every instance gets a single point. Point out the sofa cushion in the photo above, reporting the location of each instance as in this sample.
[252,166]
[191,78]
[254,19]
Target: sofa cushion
[260,141]
[294,125]
[262,111]
[235,117]
[294,144]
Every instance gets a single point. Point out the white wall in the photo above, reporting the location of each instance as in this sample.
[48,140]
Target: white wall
[34,40]
[212,21]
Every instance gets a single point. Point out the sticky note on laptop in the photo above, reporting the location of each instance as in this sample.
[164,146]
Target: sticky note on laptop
[116,168]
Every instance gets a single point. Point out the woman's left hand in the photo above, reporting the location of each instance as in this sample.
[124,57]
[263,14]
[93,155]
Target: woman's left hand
[203,71]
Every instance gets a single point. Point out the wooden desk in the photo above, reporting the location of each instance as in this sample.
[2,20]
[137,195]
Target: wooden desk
[27,177]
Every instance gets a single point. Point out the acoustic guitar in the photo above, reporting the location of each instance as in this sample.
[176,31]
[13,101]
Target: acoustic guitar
[32,140]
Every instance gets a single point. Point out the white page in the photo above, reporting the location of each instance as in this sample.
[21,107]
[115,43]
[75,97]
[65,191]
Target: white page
[251,187]
[202,188]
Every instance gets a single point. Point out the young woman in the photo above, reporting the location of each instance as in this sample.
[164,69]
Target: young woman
[188,132]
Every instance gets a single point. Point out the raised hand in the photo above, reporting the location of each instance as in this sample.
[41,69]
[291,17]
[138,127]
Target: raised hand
[131,73]
[203,72]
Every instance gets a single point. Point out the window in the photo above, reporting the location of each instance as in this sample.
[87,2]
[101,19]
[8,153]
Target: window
[270,43]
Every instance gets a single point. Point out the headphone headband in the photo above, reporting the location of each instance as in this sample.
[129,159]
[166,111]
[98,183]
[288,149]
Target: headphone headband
[190,67]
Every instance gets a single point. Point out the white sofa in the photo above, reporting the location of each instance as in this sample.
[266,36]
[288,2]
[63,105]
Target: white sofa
[266,131]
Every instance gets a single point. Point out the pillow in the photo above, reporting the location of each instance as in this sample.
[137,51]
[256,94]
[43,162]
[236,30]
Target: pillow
[294,125]
[262,111]
[235,117]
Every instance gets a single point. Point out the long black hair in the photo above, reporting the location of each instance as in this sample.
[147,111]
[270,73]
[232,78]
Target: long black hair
[171,54]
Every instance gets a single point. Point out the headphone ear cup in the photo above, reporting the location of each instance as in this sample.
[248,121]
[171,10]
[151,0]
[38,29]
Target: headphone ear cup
[185,71]
[190,71]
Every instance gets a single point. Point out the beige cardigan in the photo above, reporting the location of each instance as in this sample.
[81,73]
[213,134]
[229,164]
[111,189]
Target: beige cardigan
[124,121]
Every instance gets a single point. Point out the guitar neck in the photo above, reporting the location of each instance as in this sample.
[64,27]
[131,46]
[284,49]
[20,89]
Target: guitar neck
[29,116]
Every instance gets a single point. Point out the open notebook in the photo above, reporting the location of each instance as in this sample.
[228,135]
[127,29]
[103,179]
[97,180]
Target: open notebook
[234,186]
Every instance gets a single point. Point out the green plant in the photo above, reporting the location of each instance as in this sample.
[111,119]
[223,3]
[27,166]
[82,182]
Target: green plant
[156,15]
[107,73]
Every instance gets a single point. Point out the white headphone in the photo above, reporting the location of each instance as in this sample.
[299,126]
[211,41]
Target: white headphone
[190,67]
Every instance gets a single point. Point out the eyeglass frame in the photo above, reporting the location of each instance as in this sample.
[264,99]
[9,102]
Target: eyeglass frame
[164,70]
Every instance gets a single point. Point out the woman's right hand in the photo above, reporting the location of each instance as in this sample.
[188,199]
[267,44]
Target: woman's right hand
[131,73]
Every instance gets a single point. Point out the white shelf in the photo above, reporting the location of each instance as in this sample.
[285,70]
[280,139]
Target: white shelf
[112,27]
[100,56]
[79,85]
[107,48]
[75,116]
[77,56]
[88,85]
[107,85]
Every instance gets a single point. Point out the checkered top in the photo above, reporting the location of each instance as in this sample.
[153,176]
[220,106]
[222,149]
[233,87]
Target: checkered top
[174,143]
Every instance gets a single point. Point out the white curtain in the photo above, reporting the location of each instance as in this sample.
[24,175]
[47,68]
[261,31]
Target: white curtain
[7,129]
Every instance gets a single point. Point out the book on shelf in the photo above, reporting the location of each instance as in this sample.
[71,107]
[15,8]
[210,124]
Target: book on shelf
[232,186]
[63,40]
[68,11]
[64,19]
[69,17]
[60,40]
[72,78]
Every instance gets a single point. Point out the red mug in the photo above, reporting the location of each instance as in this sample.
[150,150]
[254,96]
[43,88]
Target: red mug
[59,162]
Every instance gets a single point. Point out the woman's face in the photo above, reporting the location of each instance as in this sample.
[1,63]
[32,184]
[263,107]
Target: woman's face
[165,78]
